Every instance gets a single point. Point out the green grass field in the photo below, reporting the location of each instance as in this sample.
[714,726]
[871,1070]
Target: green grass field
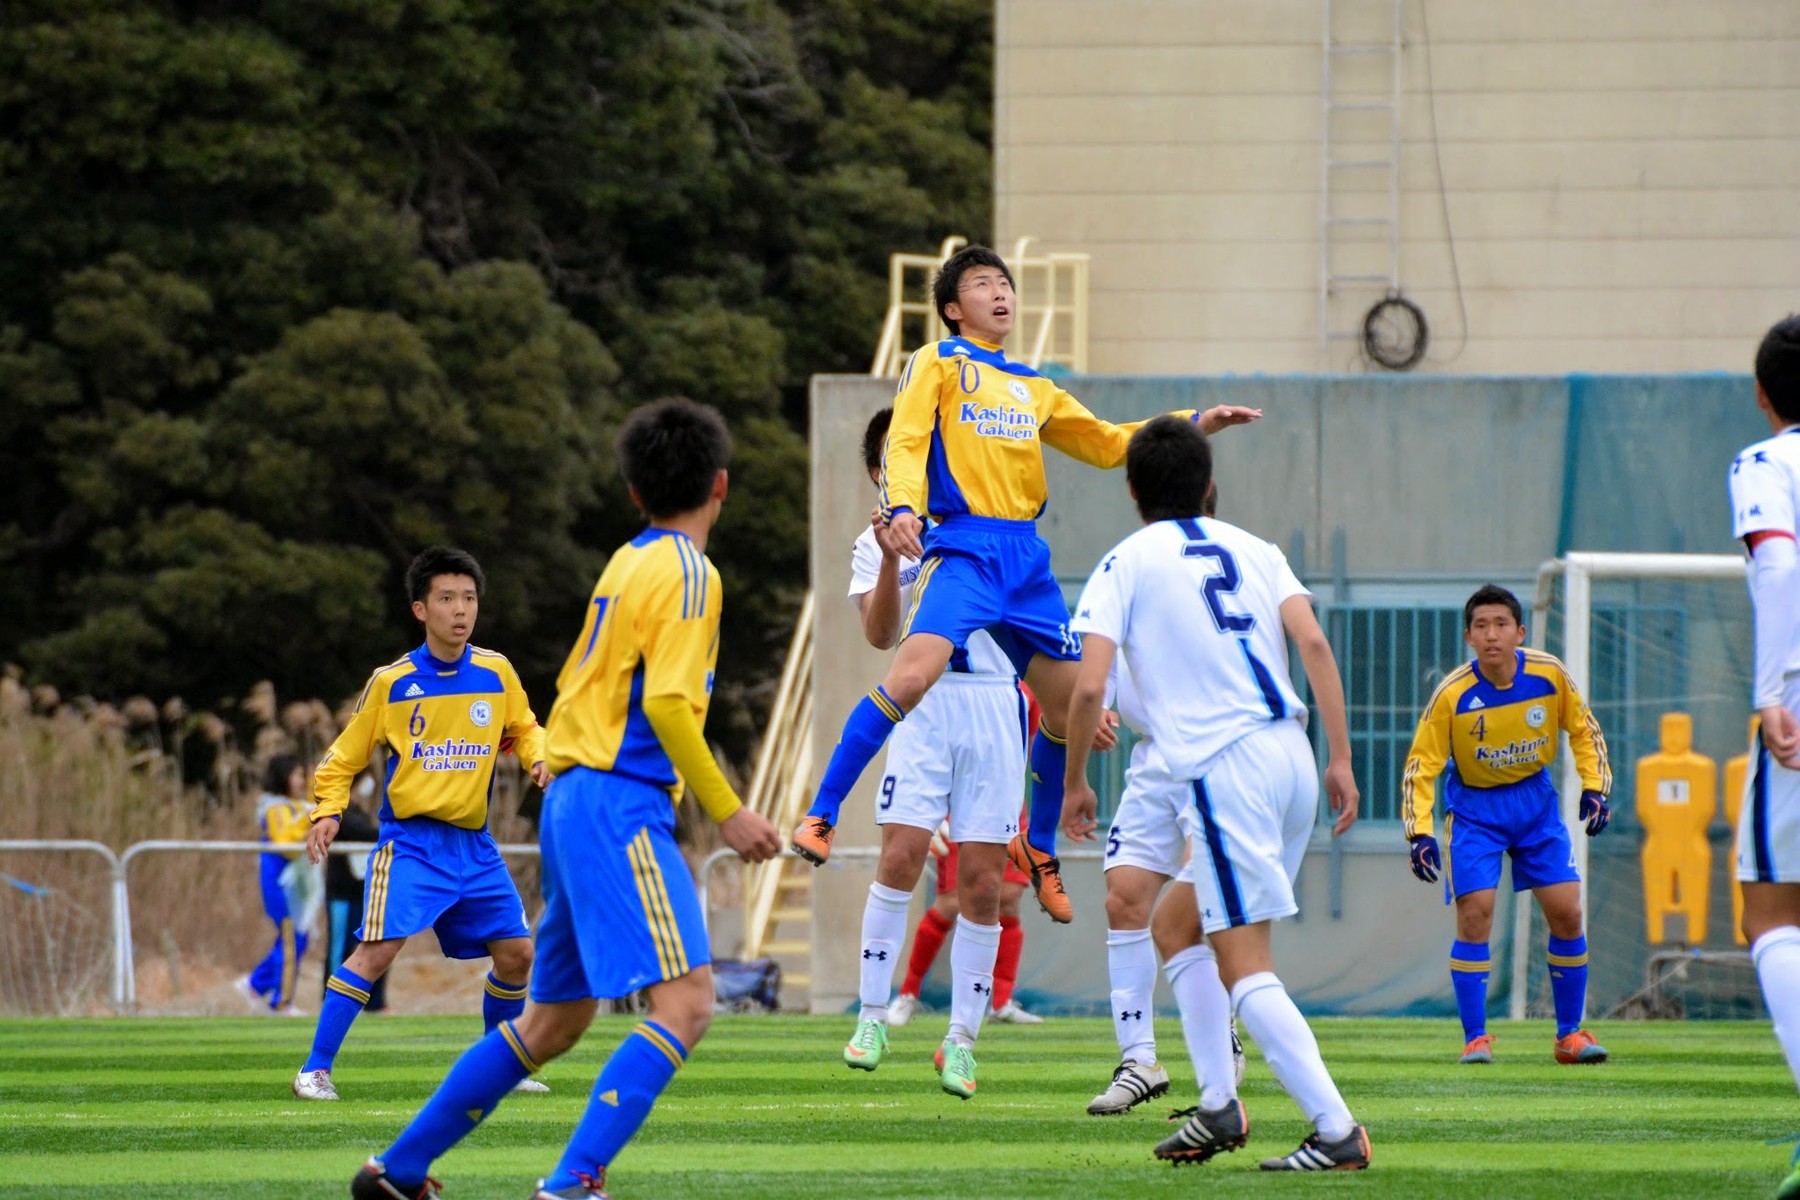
[167,1109]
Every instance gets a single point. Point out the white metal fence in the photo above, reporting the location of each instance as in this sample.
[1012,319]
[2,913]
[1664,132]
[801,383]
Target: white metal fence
[122,990]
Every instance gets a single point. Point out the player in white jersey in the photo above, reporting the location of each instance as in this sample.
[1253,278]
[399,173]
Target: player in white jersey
[1228,729]
[1145,848]
[1765,498]
[959,755]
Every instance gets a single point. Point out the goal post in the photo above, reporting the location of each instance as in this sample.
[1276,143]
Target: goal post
[1579,571]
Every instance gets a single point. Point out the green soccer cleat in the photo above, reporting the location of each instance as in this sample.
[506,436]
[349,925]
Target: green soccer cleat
[1790,1187]
[867,1045]
[956,1069]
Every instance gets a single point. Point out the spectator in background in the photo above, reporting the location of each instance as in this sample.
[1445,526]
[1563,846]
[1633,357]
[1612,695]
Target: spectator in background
[290,890]
[344,875]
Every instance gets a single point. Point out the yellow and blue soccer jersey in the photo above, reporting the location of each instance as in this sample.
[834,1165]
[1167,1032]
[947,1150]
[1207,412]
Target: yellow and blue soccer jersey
[281,820]
[1499,743]
[652,630]
[444,724]
[965,435]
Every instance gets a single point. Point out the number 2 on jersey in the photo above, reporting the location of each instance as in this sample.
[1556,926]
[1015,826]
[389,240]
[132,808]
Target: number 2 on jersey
[1219,586]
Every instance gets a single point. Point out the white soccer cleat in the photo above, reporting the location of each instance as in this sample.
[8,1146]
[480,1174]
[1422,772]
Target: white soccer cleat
[1239,1064]
[1132,1083]
[1013,1014]
[903,1009]
[314,1085]
[532,1086]
[242,986]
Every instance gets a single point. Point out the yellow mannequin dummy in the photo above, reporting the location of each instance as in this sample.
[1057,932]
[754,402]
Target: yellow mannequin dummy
[1737,771]
[1676,801]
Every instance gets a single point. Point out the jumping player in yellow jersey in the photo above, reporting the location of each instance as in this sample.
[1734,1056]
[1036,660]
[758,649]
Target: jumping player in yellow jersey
[1495,723]
[966,449]
[445,713]
[621,913]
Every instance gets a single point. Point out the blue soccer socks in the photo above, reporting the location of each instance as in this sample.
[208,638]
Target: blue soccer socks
[1568,958]
[873,718]
[628,1086]
[345,994]
[1049,754]
[501,1001]
[487,1071]
[1470,964]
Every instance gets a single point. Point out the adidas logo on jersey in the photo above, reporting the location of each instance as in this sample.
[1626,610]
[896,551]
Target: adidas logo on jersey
[414,689]
[1475,704]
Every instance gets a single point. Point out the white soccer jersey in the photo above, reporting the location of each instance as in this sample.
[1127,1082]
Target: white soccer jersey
[982,656]
[1765,492]
[1194,606]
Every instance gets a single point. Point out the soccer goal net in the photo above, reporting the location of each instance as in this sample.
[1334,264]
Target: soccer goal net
[1660,644]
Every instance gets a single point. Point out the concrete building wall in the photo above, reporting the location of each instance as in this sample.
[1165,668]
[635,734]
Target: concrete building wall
[1621,177]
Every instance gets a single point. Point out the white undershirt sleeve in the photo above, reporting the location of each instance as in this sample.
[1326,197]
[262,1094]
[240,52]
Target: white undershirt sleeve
[1775,597]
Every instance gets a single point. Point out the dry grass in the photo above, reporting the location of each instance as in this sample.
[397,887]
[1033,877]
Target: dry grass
[136,771]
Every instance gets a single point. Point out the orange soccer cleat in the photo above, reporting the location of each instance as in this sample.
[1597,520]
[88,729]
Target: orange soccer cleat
[1046,878]
[1579,1047]
[812,841]
[1479,1050]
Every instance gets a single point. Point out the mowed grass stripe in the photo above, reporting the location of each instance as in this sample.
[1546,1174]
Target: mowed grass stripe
[766,1109]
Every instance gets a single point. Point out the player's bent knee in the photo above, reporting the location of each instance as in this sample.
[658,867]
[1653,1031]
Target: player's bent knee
[371,960]
[1126,911]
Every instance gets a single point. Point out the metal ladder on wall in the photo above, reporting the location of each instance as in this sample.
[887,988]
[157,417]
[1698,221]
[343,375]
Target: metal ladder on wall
[1348,103]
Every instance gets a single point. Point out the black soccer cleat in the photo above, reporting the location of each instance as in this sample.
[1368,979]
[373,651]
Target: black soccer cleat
[374,1183]
[1206,1132]
[1316,1154]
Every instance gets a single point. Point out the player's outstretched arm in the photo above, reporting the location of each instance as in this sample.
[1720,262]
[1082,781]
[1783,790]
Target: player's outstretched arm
[908,442]
[1075,431]
[748,832]
[1302,627]
[1086,704]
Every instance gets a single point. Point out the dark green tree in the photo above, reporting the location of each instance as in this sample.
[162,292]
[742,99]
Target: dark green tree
[287,292]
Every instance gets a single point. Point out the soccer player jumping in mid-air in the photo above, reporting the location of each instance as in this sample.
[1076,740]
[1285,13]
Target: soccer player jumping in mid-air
[1765,497]
[1494,721]
[965,448]
[1227,730]
[961,757]
[446,712]
[620,910]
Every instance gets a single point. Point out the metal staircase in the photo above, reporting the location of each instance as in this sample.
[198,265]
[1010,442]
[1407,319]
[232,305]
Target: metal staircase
[1359,227]
[778,894]
[1052,324]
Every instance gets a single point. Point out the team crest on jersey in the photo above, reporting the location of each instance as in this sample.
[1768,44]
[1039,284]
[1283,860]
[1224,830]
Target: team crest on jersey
[481,714]
[1020,392]
[1535,715]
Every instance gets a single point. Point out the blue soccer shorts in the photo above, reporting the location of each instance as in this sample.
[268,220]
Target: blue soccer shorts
[428,874]
[993,574]
[620,908]
[1486,824]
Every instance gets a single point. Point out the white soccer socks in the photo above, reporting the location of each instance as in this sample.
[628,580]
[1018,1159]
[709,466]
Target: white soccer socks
[1777,958]
[1131,967]
[1205,1022]
[1288,1046]
[972,954]
[883,933]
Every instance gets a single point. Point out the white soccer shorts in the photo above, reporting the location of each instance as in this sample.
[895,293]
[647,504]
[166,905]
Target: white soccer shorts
[1250,819]
[1768,832]
[1147,830]
[960,754]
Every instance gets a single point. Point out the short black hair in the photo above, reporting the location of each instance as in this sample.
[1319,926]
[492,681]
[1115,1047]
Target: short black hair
[441,560]
[875,438]
[1209,507]
[1778,367]
[944,284]
[670,453]
[1169,467]
[1491,593]
[277,773]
